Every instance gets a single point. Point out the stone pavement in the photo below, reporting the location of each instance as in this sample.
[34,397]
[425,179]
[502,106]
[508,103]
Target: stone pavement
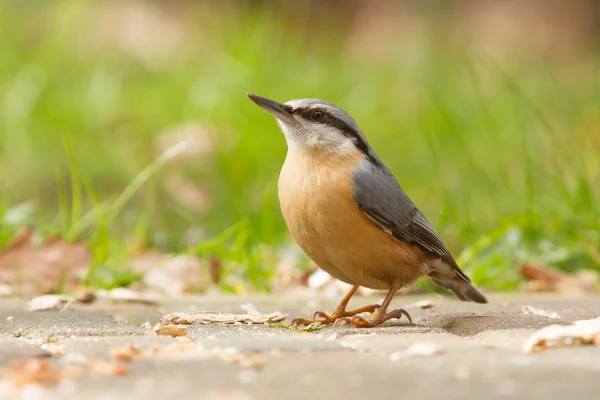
[475,352]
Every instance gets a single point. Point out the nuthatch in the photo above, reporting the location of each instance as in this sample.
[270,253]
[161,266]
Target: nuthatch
[347,212]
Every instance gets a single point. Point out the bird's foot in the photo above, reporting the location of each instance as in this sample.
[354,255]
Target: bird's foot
[376,319]
[323,318]
[337,313]
[298,322]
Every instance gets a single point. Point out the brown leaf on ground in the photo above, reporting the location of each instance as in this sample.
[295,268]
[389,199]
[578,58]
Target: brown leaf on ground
[31,269]
[543,274]
[170,330]
[85,296]
[542,278]
[585,332]
[49,302]
[220,318]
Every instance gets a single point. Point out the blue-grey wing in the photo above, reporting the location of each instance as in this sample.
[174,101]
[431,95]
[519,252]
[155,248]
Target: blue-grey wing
[379,196]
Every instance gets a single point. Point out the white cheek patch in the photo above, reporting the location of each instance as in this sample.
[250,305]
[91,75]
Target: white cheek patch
[322,135]
[303,133]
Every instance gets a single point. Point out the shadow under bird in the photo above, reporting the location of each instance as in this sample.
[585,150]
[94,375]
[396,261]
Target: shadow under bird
[347,212]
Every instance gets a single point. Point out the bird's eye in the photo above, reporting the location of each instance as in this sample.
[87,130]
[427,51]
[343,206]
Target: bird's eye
[318,116]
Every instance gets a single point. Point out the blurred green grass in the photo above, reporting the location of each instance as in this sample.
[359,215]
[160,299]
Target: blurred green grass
[502,155]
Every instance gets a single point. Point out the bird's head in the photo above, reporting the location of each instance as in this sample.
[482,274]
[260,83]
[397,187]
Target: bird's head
[315,124]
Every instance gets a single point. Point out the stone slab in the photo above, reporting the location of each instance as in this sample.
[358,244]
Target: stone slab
[480,351]
[46,325]
[15,350]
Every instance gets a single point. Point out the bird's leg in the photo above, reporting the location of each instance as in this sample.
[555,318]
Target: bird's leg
[379,316]
[338,312]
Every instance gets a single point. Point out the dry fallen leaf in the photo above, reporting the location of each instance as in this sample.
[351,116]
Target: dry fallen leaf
[542,278]
[531,310]
[85,296]
[170,330]
[49,302]
[31,269]
[546,276]
[220,318]
[584,332]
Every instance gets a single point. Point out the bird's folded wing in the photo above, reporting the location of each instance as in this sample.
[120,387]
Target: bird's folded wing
[379,196]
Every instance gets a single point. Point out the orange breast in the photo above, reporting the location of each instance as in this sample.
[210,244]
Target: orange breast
[315,193]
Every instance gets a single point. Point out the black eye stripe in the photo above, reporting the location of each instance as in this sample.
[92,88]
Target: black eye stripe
[343,127]
[330,120]
[306,113]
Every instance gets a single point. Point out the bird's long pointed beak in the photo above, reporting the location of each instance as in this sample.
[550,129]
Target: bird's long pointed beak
[280,111]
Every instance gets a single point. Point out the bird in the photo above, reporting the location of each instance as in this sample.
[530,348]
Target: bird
[347,212]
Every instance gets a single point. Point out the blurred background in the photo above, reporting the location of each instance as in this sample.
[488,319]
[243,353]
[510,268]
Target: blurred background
[130,155]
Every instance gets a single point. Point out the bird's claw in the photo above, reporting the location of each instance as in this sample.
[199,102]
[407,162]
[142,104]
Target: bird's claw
[357,321]
[338,314]
[298,322]
[323,318]
[376,319]
[398,315]
[343,321]
[319,317]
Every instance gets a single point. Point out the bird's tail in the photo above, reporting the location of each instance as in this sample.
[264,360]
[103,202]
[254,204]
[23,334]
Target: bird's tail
[459,284]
